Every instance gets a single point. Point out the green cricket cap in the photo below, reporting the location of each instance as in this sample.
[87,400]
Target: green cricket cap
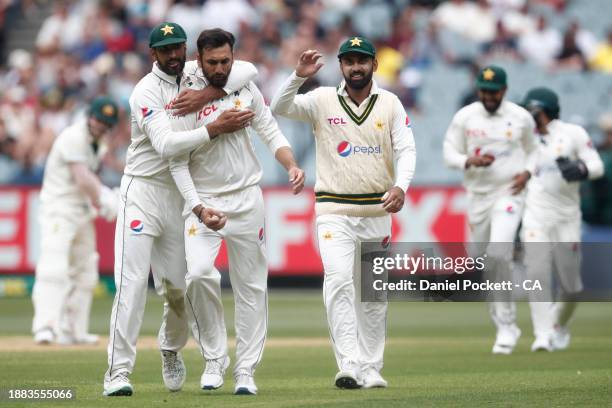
[491,78]
[542,98]
[105,110]
[165,34]
[357,44]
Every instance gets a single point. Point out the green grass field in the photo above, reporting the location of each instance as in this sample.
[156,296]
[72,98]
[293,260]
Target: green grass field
[438,355]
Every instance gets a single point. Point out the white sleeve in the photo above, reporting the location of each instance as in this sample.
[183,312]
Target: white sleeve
[588,154]
[530,144]
[150,115]
[179,168]
[72,146]
[455,150]
[264,123]
[287,103]
[241,74]
[403,146]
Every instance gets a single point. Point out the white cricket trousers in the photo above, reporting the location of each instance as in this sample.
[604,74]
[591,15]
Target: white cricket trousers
[248,271]
[148,236]
[357,329]
[66,273]
[549,243]
[494,232]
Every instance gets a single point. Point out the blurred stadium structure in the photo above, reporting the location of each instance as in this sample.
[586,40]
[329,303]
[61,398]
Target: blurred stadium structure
[57,55]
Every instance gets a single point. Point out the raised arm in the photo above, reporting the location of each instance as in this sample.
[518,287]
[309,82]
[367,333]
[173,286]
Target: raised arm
[286,102]
[266,127]
[191,100]
[241,75]
[149,113]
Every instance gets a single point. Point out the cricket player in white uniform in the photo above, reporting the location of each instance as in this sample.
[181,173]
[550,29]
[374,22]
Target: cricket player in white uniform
[552,220]
[225,175]
[149,232]
[70,199]
[492,141]
[359,129]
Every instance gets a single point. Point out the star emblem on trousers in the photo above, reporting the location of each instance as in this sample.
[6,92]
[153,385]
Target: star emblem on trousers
[192,230]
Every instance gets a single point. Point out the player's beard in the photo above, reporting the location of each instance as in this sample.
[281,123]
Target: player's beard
[492,107]
[217,80]
[358,84]
[176,70]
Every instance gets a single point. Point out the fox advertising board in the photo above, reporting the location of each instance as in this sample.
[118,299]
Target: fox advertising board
[431,214]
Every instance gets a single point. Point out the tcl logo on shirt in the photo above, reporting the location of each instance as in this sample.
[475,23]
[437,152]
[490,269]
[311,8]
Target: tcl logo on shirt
[337,121]
[475,133]
[206,111]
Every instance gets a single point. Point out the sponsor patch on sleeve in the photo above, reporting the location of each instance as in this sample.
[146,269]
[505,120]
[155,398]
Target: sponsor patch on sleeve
[146,112]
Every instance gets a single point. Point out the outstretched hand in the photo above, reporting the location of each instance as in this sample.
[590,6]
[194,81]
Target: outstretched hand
[308,63]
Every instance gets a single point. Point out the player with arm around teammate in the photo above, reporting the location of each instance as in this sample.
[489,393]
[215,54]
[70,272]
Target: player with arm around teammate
[552,219]
[355,193]
[149,231]
[492,142]
[225,175]
[71,196]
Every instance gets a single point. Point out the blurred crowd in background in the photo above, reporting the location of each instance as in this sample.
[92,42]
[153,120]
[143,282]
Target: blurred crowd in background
[55,56]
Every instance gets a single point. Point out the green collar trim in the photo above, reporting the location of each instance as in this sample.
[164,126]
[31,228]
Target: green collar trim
[354,117]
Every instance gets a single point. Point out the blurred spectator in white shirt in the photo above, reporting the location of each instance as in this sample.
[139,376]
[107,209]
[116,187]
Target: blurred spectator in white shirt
[542,45]
[501,7]
[474,21]
[519,22]
[229,15]
[187,13]
[63,29]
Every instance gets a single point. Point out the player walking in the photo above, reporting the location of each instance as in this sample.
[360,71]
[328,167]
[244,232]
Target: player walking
[359,130]
[149,232]
[492,141]
[225,175]
[71,196]
[552,218]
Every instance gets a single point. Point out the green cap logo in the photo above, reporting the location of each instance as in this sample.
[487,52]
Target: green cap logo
[165,34]
[359,45]
[167,29]
[491,78]
[105,110]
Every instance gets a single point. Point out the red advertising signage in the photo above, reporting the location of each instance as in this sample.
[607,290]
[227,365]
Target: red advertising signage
[430,214]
